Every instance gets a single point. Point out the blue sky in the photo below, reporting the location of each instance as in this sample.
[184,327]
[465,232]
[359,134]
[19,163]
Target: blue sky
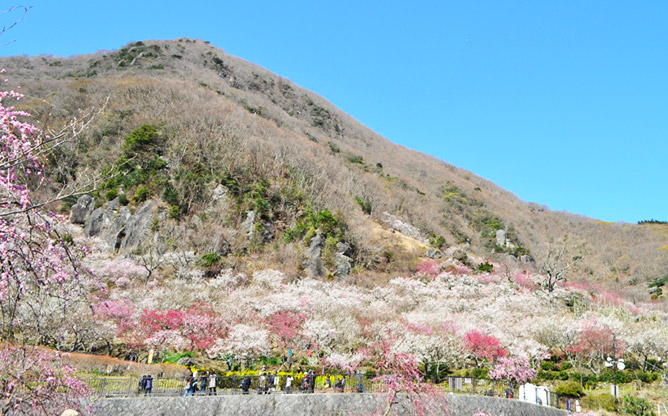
[564,103]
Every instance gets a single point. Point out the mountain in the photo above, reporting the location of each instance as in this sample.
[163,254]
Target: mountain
[247,170]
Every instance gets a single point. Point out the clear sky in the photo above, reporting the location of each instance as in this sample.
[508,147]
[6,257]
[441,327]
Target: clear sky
[563,102]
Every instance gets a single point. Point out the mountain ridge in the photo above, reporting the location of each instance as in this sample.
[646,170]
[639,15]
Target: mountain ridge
[274,125]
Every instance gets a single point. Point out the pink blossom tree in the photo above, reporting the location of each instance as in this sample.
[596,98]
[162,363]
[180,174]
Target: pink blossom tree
[34,259]
[35,381]
[399,373]
[483,347]
[514,369]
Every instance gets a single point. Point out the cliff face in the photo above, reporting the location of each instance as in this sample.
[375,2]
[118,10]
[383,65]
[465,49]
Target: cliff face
[232,160]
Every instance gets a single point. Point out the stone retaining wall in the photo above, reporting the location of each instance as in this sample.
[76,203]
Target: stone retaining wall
[305,404]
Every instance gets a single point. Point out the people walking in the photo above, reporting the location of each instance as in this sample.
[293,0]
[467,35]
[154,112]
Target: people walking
[212,383]
[148,385]
[277,382]
[141,387]
[288,383]
[245,384]
[190,386]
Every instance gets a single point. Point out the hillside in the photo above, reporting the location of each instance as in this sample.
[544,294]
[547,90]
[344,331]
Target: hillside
[245,167]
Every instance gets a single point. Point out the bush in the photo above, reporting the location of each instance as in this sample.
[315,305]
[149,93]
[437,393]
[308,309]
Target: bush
[637,406]
[485,267]
[111,194]
[609,377]
[547,365]
[604,401]
[364,204]
[141,194]
[208,260]
[174,212]
[570,389]
[647,377]
[142,139]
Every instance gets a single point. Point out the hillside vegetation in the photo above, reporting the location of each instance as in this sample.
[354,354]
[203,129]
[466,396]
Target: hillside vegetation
[183,117]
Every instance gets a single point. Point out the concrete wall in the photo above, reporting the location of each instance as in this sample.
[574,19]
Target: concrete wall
[305,404]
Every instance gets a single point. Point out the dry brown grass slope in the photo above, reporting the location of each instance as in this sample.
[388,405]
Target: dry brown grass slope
[224,115]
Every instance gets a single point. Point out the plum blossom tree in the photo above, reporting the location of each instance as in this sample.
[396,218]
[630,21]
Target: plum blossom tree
[483,347]
[514,369]
[398,372]
[34,259]
[243,341]
[35,381]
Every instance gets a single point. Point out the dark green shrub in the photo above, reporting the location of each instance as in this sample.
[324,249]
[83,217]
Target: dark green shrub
[570,389]
[123,200]
[485,267]
[356,159]
[609,377]
[566,365]
[333,147]
[174,212]
[170,195]
[141,194]
[142,139]
[364,204]
[546,375]
[603,401]
[647,377]
[111,194]
[636,406]
[436,241]
[547,365]
[208,260]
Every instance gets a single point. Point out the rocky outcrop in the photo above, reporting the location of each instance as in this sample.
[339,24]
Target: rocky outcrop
[313,264]
[82,209]
[404,228]
[248,226]
[500,238]
[342,261]
[119,227]
[138,225]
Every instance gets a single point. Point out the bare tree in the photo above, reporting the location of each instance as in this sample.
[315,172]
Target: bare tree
[558,260]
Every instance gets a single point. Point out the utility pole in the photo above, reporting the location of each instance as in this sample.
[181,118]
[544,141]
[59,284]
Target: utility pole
[615,364]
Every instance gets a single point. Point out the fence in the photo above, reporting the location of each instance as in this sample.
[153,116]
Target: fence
[175,386]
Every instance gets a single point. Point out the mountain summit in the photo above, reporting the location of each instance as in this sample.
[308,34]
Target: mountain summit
[206,153]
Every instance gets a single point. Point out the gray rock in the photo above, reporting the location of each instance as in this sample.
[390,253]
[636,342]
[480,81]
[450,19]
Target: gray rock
[343,265]
[313,264]
[218,193]
[342,262]
[404,228]
[82,209]
[114,234]
[138,225]
[248,226]
[120,228]
[500,238]
[94,223]
[433,253]
[526,259]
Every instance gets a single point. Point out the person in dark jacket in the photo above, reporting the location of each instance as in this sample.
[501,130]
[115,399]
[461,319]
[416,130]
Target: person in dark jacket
[148,386]
[142,384]
[245,384]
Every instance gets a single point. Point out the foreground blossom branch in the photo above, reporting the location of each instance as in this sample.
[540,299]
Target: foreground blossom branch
[34,262]
[399,376]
